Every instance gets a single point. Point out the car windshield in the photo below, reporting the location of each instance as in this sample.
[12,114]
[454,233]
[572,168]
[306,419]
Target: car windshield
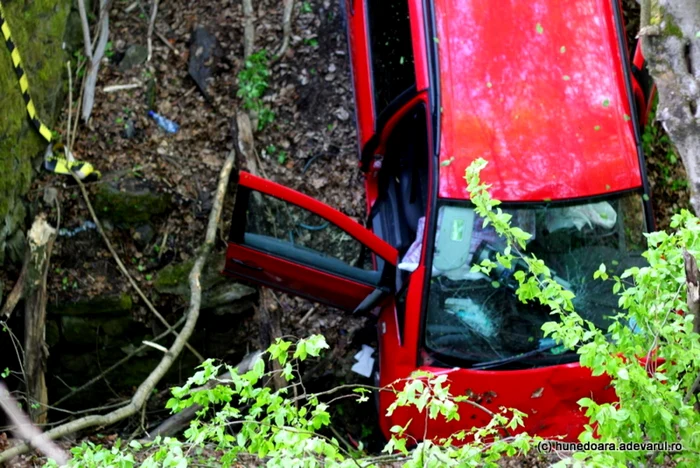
[477,318]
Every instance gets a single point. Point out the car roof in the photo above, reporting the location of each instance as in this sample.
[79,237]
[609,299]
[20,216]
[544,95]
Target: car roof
[538,89]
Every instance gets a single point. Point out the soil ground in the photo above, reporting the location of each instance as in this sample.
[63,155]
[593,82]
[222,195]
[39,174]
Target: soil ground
[310,146]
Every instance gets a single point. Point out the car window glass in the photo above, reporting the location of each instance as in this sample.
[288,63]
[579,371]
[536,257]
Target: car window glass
[479,318]
[291,232]
[391,50]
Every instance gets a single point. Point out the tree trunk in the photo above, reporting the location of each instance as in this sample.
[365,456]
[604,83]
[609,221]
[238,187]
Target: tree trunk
[41,238]
[672,50]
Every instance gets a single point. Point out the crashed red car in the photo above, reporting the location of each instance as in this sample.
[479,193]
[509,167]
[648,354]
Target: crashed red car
[547,93]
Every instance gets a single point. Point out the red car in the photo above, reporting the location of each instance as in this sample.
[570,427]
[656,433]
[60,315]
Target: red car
[546,92]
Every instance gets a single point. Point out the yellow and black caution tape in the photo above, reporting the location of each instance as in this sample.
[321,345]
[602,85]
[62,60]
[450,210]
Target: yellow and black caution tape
[64,164]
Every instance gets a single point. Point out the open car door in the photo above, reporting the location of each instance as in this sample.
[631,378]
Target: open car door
[289,241]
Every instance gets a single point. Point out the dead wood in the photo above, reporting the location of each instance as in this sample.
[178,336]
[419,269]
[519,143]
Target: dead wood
[286,28]
[41,237]
[179,421]
[151,25]
[96,58]
[692,281]
[248,28]
[23,429]
[17,292]
[145,390]
[269,322]
[668,31]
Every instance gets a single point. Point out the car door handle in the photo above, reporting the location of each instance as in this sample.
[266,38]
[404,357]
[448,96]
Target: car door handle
[246,265]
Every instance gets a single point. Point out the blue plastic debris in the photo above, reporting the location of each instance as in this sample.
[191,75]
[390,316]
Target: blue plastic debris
[71,232]
[166,124]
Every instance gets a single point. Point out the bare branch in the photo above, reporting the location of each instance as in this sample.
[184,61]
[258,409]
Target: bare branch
[286,27]
[248,28]
[94,63]
[86,29]
[151,25]
[23,428]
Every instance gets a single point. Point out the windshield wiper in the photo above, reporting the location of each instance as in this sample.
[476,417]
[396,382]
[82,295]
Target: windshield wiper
[519,357]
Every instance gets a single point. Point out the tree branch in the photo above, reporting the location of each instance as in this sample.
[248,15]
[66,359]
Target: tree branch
[23,428]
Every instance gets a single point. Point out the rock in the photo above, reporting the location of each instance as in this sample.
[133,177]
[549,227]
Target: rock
[135,55]
[16,246]
[53,333]
[173,278]
[101,306]
[129,129]
[85,330]
[217,290]
[143,235]
[203,49]
[38,29]
[130,201]
[225,293]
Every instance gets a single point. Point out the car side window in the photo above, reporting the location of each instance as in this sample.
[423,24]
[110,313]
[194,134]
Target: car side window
[286,230]
[391,50]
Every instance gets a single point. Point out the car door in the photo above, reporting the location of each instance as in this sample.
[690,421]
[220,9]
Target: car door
[356,20]
[288,241]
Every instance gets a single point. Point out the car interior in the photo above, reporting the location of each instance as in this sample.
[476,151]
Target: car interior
[403,184]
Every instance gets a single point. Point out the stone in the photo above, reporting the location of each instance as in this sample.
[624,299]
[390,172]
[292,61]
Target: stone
[202,50]
[53,333]
[217,290]
[224,293]
[143,235]
[134,56]
[38,30]
[85,330]
[173,278]
[130,202]
[16,246]
[100,306]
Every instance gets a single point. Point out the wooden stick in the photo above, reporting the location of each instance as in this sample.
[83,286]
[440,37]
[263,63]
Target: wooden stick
[248,29]
[23,428]
[286,27]
[151,25]
[41,237]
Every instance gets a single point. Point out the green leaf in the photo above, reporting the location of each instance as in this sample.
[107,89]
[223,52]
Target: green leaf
[539,28]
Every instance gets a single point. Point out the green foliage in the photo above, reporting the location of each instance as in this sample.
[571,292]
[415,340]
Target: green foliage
[242,416]
[650,352]
[253,81]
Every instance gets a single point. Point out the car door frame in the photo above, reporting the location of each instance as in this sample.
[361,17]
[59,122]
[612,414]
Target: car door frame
[247,261]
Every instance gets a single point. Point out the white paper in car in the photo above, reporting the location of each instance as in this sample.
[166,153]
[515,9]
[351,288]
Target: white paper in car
[365,361]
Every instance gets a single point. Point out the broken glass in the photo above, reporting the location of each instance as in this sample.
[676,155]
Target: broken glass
[478,318]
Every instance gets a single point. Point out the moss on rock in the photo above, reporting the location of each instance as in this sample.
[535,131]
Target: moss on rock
[130,201]
[99,306]
[38,28]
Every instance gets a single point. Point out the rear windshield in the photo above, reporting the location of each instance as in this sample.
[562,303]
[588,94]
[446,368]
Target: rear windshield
[479,319]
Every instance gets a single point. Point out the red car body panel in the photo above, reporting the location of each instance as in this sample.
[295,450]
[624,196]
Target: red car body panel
[537,89]
[356,19]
